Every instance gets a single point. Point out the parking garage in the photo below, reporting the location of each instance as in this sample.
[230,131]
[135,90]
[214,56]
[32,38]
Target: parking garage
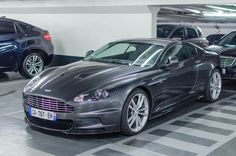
[197,128]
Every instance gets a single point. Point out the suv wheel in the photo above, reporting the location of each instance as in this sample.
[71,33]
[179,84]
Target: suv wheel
[32,65]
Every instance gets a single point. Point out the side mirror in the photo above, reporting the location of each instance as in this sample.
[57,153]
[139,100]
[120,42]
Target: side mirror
[173,60]
[89,53]
[170,63]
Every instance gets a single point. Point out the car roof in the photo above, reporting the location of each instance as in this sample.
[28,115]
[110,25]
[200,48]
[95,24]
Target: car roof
[179,25]
[157,41]
[13,20]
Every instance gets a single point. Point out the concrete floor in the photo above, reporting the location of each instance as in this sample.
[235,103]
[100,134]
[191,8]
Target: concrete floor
[196,129]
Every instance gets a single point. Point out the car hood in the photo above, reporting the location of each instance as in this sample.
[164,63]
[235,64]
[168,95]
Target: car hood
[223,51]
[81,77]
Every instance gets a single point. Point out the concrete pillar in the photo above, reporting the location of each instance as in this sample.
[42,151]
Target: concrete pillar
[154,11]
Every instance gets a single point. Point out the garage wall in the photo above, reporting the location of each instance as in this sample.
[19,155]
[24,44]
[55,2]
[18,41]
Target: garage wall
[76,32]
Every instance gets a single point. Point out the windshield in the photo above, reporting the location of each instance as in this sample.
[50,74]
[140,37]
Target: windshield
[229,40]
[163,31]
[128,53]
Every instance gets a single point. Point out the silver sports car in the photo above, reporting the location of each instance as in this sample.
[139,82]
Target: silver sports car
[120,86]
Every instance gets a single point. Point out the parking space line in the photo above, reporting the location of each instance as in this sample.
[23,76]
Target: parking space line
[107,152]
[222,110]
[193,132]
[214,118]
[214,126]
[158,148]
[184,137]
[225,107]
[173,143]
[203,127]
[134,150]
[218,114]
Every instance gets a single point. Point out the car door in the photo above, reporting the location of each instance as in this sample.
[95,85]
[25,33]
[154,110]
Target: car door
[178,78]
[8,45]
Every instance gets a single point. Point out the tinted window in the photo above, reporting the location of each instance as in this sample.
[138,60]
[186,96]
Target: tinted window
[6,28]
[182,52]
[179,33]
[24,27]
[163,31]
[191,33]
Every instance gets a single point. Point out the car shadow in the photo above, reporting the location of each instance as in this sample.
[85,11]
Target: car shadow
[4,77]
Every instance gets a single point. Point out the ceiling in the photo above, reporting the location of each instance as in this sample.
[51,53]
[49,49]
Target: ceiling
[198,13]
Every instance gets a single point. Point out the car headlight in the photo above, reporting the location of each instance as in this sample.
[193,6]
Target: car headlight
[31,83]
[99,94]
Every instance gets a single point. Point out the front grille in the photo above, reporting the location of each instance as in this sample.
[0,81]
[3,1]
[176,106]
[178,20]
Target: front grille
[57,125]
[227,61]
[48,104]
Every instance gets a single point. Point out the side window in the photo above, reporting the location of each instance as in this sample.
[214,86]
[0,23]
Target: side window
[199,32]
[191,33]
[17,29]
[182,52]
[24,27]
[171,52]
[192,50]
[6,28]
[179,33]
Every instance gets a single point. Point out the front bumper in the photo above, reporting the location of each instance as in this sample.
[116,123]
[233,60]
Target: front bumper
[82,121]
[229,73]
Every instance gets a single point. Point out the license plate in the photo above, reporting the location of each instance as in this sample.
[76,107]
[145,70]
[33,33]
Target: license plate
[223,71]
[42,114]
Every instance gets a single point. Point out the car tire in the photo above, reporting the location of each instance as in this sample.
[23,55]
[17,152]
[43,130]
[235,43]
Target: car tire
[31,65]
[137,115]
[213,86]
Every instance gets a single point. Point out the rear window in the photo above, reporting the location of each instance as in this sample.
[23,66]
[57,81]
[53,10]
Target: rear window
[163,31]
[6,28]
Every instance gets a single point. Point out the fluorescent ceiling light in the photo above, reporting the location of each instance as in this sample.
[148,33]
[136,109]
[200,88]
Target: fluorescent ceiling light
[194,11]
[220,14]
[220,8]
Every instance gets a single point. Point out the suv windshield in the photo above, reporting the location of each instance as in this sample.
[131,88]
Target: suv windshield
[128,53]
[164,31]
[229,40]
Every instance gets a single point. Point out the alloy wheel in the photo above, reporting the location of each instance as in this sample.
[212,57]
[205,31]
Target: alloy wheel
[34,65]
[138,112]
[215,85]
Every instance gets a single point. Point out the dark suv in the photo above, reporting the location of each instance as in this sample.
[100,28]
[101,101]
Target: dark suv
[226,48]
[24,48]
[189,33]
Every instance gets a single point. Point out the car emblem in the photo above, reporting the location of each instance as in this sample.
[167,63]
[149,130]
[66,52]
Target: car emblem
[47,90]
